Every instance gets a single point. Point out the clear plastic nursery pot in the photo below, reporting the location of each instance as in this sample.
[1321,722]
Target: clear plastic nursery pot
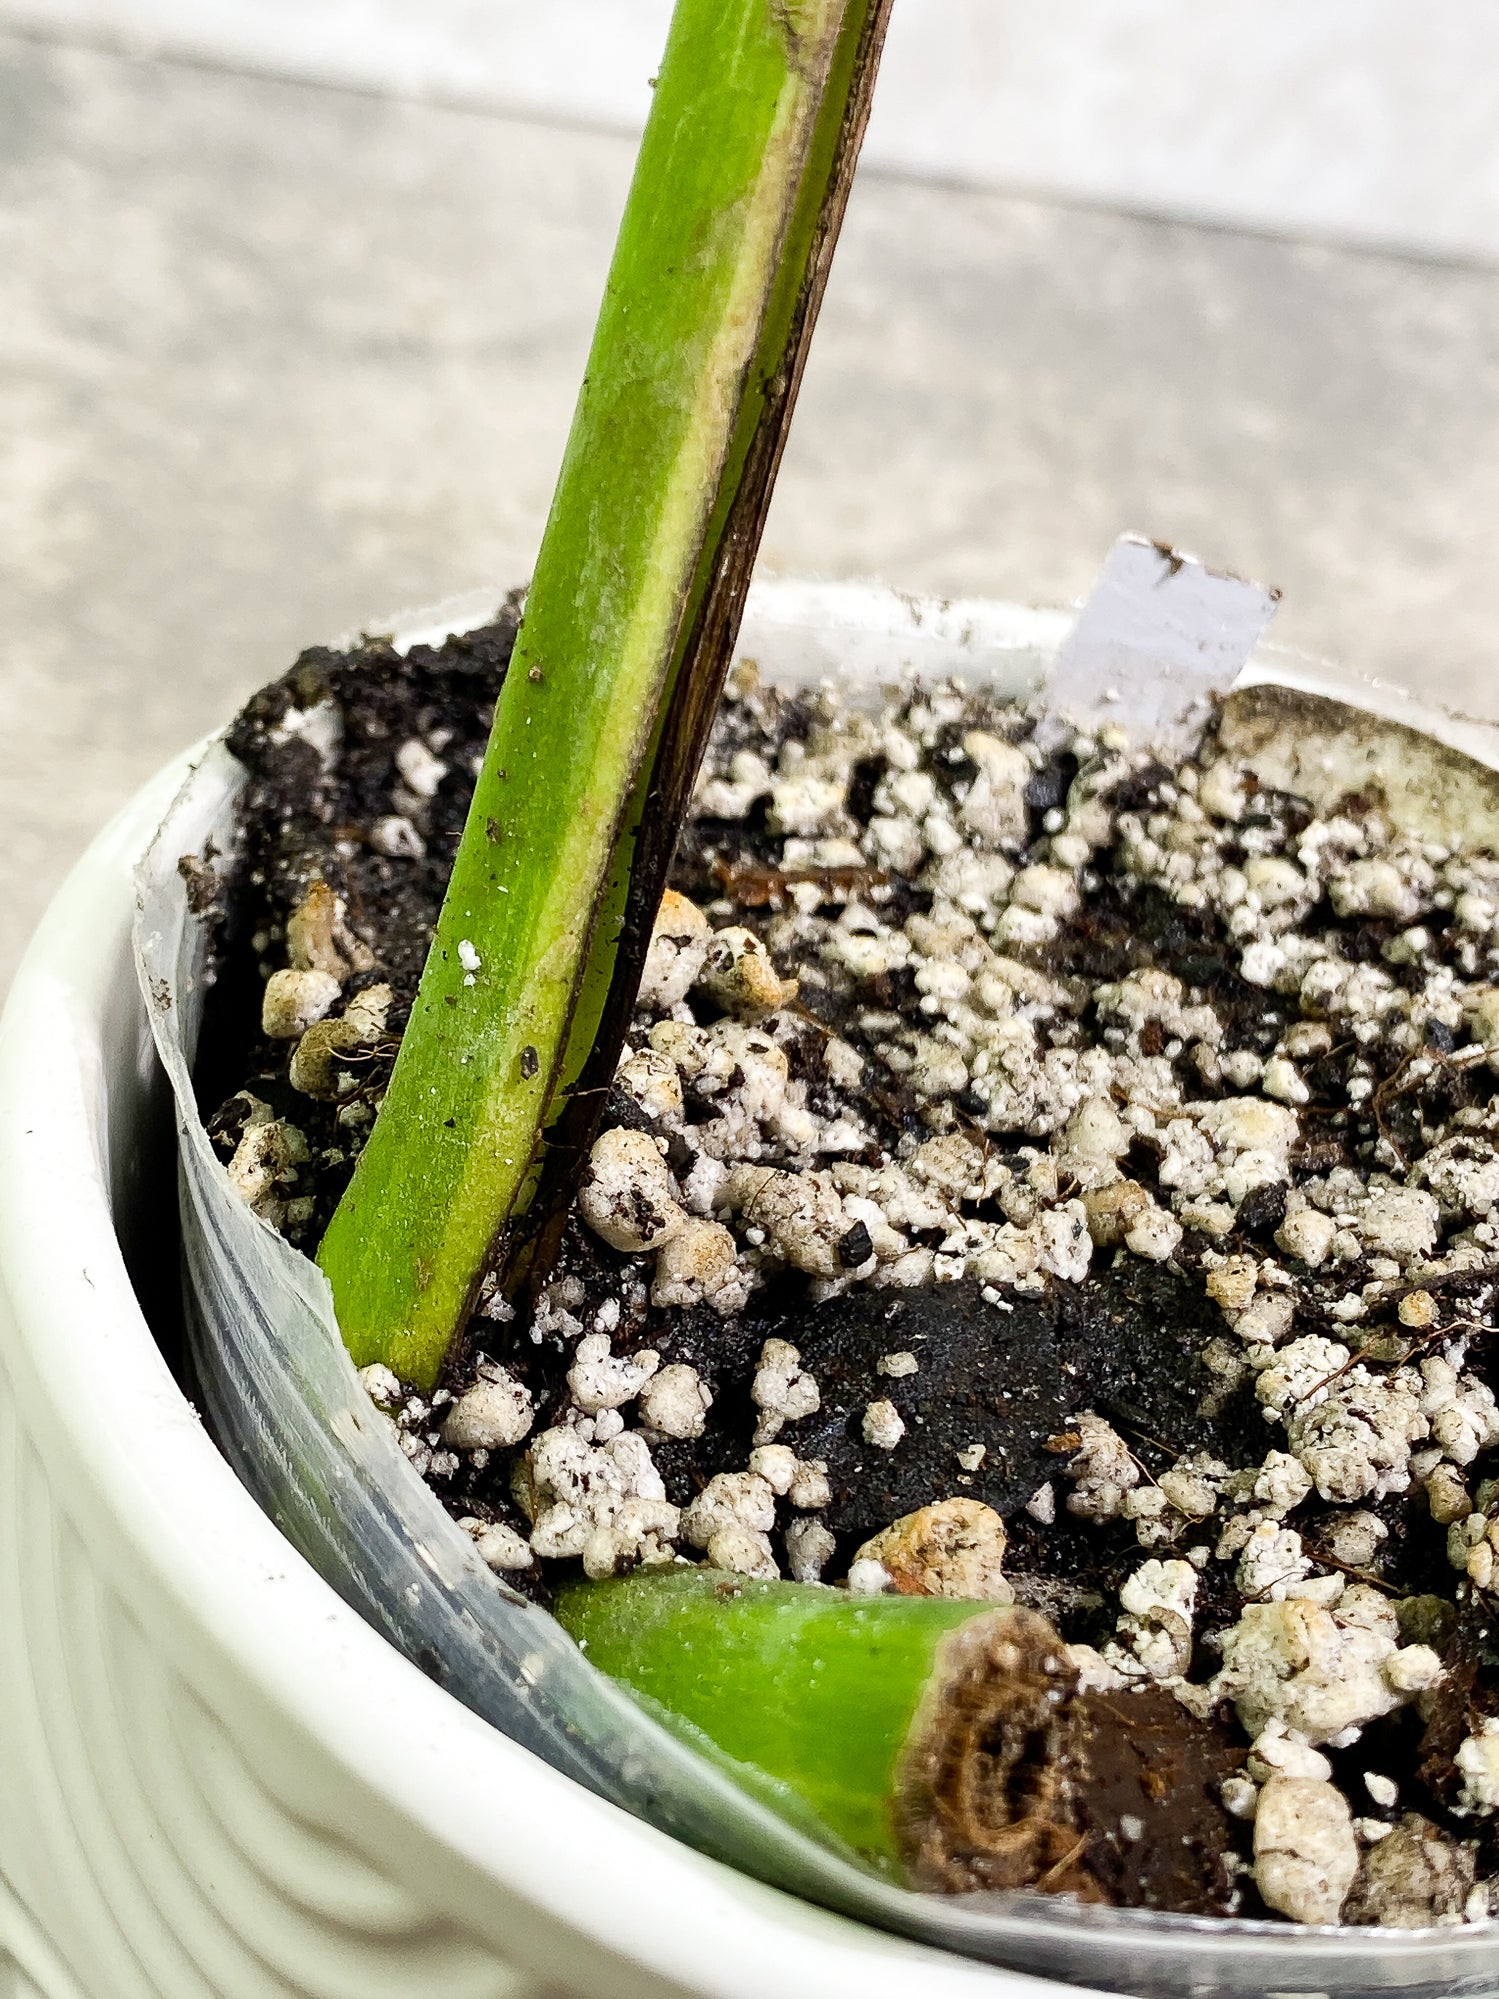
[223,1777]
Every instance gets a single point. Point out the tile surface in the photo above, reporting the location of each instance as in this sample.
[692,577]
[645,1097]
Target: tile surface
[276,359]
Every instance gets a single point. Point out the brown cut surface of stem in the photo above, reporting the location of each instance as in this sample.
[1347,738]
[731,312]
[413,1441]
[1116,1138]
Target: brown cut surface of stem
[1015,1777]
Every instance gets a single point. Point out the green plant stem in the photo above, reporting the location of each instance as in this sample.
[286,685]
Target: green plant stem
[720,264]
[808,1688]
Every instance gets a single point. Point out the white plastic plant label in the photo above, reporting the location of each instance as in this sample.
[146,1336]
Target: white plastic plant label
[1159,640]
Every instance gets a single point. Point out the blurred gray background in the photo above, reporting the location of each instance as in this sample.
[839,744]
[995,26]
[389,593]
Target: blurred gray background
[294,298]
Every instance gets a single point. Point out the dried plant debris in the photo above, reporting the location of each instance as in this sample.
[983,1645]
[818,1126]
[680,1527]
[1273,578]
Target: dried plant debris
[1053,1177]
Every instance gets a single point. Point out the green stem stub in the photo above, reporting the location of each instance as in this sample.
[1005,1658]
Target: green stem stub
[718,270]
[949,1744]
[842,1701]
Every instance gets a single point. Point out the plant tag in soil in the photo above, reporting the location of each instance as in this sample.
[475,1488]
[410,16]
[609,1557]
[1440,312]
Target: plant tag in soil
[1159,639]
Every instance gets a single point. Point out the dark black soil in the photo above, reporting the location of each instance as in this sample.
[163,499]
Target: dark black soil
[1157,1834]
[1122,1343]
[302,821]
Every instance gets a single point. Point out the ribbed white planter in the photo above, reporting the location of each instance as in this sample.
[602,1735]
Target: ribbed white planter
[215,1779]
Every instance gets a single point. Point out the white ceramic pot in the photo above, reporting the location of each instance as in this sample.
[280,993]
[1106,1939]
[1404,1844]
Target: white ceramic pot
[215,1778]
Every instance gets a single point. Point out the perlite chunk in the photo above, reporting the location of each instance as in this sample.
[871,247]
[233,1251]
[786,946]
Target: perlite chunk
[604,1504]
[1307,1235]
[1379,887]
[492,1415]
[1274,1753]
[699,1265]
[1416,1876]
[1478,1764]
[1305,1852]
[1462,1411]
[499,1547]
[804,1481]
[1158,1602]
[626,1194]
[381,1384]
[679,944]
[955,1547]
[730,1520]
[994,814]
[319,939]
[1272,1565]
[738,973]
[265,1163]
[1463,1173]
[601,1379]
[730,1498]
[1253,1141]
[1280,1484]
[421,771]
[293,1000]
[1301,1373]
[651,1082]
[809,1549]
[1102,1470]
[1356,1441]
[1325,1674]
[800,1215]
[781,1391]
[1354,1539]
[315,1066]
[1231,1284]
[883,1426]
[675,1402]
[1402,1222]
[1193,1484]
